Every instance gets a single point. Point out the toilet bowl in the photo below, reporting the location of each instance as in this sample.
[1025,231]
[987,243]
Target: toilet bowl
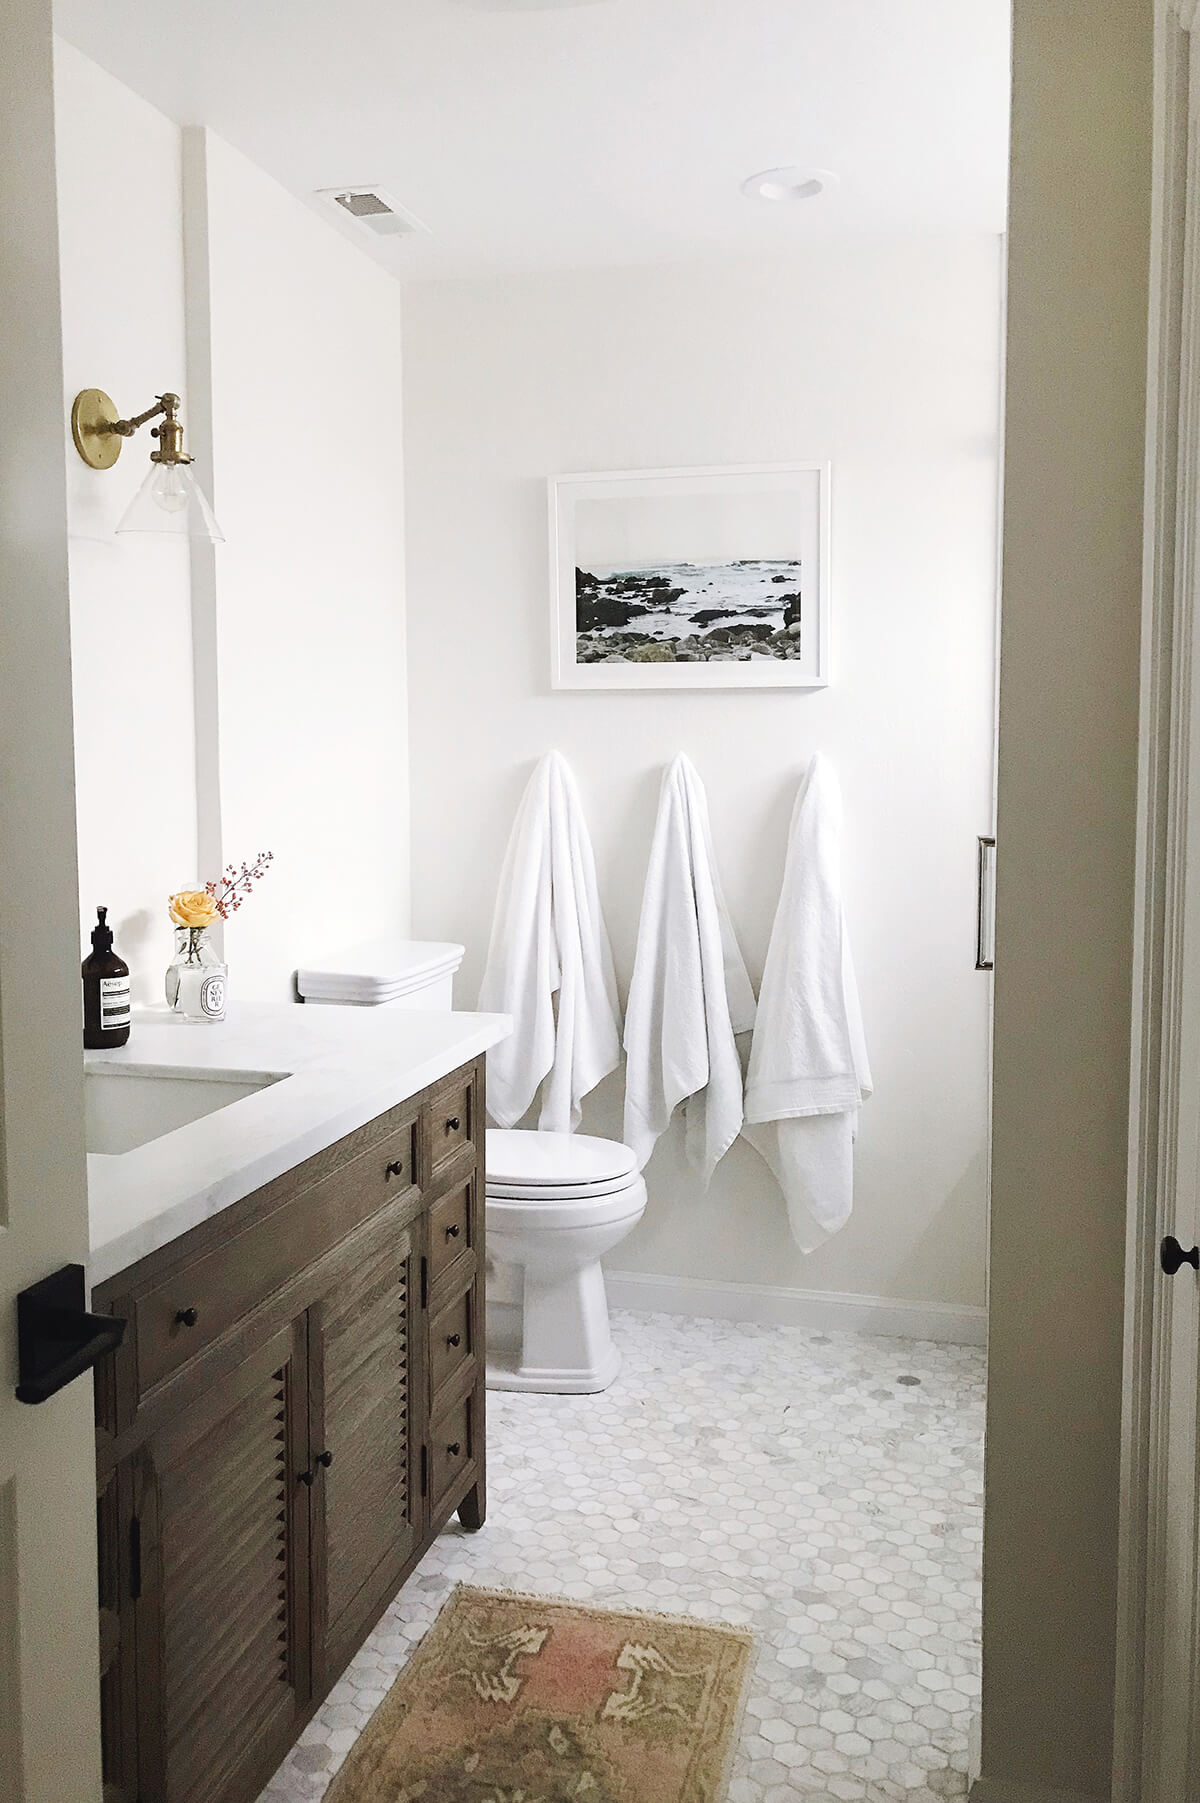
[555,1204]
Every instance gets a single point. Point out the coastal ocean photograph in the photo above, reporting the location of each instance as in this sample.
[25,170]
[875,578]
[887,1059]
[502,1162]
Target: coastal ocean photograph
[678,576]
[690,612]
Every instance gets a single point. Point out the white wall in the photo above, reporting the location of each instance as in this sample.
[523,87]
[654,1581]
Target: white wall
[308,486]
[884,358]
[291,734]
[120,232]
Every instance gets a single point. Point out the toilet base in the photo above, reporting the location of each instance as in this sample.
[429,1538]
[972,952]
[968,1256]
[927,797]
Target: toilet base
[556,1338]
[505,1375]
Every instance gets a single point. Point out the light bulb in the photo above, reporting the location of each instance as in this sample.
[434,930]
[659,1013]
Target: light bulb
[170,500]
[169,488]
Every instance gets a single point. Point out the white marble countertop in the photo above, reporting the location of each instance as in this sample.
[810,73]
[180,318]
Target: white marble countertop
[328,1069]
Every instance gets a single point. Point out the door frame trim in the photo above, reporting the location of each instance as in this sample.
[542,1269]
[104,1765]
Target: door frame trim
[1147,1743]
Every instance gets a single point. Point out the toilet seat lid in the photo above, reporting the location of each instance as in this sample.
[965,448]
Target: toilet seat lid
[520,1162]
[542,1194]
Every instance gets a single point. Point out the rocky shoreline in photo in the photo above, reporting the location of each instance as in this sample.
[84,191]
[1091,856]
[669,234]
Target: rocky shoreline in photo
[609,613]
[727,644]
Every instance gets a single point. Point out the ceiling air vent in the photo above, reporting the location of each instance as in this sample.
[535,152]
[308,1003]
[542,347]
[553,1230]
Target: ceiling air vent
[373,209]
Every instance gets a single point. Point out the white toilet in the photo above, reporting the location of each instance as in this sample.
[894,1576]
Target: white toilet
[555,1202]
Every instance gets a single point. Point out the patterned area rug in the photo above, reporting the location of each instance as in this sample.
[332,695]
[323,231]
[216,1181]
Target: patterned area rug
[521,1699]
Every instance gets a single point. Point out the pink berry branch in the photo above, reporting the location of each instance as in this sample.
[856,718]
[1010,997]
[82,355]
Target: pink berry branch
[231,889]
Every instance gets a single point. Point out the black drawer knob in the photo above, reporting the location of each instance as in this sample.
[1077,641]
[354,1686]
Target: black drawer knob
[306,1477]
[396,1168]
[453,1124]
[452,1232]
[1173,1255]
[325,1459]
[452,1339]
[454,1449]
[187,1317]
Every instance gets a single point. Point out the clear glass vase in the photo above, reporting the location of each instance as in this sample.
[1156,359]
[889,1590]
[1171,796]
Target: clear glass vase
[196,978]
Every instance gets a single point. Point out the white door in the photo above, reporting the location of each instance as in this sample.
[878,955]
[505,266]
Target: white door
[1157,1754]
[49,1708]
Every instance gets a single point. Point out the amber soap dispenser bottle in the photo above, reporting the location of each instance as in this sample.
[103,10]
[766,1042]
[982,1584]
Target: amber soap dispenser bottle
[105,991]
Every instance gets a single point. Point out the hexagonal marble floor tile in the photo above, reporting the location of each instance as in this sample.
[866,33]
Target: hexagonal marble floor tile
[825,1490]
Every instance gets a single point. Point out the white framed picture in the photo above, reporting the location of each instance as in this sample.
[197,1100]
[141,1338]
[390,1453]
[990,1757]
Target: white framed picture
[691,579]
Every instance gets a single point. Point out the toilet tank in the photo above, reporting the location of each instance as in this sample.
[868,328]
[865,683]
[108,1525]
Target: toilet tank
[384,973]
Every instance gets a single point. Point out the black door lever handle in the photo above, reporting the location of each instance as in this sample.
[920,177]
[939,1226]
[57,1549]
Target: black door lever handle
[1173,1255]
[58,1339]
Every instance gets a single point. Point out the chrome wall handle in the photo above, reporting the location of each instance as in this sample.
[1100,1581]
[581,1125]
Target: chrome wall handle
[985,906]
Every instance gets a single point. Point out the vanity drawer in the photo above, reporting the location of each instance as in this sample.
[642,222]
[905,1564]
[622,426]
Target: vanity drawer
[450,1446]
[451,1341]
[209,1293]
[450,1121]
[451,1229]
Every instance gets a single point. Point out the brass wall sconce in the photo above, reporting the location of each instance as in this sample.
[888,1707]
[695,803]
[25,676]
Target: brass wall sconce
[170,499]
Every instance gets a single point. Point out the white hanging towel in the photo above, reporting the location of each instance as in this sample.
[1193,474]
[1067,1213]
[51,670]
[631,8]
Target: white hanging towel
[808,1061]
[549,939]
[690,991]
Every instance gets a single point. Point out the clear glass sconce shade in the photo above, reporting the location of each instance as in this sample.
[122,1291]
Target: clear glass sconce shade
[171,500]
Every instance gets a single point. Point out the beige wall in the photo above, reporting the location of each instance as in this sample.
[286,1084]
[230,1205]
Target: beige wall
[1068,746]
[49,1695]
[882,355]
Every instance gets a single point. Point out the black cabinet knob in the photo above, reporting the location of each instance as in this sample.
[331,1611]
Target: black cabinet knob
[187,1317]
[452,1232]
[325,1459]
[306,1477]
[396,1168]
[452,1339]
[454,1450]
[453,1124]
[1173,1255]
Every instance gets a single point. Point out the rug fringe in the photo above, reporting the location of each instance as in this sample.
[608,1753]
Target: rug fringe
[739,1632]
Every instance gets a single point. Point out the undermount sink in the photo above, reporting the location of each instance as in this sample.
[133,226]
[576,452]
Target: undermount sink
[127,1109]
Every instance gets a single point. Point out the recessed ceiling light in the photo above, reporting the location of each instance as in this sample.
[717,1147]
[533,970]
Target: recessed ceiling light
[789,184]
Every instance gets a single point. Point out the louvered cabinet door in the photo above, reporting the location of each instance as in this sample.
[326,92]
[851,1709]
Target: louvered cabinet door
[364,1364]
[223,1626]
[118,1644]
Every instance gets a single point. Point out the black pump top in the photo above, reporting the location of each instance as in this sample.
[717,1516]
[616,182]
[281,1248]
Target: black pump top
[102,938]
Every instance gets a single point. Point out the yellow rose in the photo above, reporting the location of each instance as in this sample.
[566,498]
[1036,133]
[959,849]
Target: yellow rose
[192,908]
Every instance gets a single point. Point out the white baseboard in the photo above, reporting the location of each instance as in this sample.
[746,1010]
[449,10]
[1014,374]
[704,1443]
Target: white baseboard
[1000,1790]
[832,1310]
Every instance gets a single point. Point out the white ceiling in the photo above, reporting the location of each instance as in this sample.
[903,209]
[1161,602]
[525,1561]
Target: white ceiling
[569,133]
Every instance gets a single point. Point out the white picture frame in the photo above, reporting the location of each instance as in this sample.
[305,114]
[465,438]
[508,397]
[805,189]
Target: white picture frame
[698,561]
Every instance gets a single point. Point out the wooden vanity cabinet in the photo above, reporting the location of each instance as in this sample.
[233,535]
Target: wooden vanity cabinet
[296,1411]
